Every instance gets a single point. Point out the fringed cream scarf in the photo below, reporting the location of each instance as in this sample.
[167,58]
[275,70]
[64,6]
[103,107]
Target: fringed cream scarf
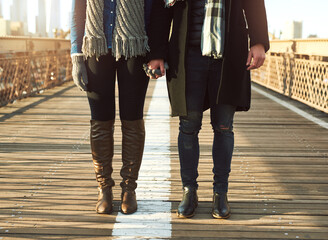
[129,37]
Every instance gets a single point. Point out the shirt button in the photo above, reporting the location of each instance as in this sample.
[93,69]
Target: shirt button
[111,24]
[111,11]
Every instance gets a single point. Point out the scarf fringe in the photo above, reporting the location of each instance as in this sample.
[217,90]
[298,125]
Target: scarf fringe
[94,46]
[130,47]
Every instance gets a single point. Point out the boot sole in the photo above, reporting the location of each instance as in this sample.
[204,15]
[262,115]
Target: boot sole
[127,213]
[105,212]
[220,217]
[185,216]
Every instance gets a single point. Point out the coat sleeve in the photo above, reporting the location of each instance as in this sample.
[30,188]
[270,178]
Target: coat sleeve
[159,30]
[257,22]
[77,25]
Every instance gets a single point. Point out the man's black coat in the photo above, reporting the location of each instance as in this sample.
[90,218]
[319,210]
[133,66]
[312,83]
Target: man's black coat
[246,25]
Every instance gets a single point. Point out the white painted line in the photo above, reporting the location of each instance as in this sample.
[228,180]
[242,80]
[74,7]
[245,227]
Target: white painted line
[153,218]
[292,108]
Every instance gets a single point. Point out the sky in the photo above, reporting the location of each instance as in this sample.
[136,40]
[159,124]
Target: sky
[33,11]
[314,14]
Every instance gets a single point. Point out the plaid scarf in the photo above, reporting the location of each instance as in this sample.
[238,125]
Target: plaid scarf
[212,43]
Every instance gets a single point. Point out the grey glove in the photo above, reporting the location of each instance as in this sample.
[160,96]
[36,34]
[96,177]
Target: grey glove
[79,72]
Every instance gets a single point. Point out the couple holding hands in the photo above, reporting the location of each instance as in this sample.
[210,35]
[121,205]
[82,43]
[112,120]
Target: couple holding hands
[210,47]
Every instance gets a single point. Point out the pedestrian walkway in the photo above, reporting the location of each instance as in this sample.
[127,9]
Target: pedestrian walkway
[278,184]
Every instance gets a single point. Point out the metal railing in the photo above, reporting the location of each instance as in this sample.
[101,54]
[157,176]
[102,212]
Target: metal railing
[29,65]
[297,69]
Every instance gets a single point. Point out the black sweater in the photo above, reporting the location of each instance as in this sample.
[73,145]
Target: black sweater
[196,22]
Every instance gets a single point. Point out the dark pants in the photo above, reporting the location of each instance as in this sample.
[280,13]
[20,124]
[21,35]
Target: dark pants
[203,79]
[132,86]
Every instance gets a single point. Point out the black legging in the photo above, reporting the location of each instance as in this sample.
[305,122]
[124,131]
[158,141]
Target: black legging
[132,85]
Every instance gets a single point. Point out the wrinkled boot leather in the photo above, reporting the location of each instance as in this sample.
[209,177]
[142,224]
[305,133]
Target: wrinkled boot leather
[133,139]
[189,203]
[220,207]
[102,144]
[105,200]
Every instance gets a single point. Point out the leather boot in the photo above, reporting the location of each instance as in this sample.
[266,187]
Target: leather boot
[220,207]
[133,140]
[189,203]
[102,144]
[129,202]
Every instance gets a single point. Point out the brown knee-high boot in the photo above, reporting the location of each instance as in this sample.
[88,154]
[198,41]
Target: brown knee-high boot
[102,144]
[133,133]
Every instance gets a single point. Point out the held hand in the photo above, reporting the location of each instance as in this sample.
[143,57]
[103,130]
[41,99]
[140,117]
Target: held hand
[256,57]
[157,64]
[79,73]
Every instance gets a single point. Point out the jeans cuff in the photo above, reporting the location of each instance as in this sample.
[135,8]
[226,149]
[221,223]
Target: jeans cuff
[220,188]
[191,186]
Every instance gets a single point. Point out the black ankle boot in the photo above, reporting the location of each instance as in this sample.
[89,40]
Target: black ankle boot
[220,207]
[188,203]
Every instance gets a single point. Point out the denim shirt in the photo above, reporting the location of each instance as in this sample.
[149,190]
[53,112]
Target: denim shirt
[79,16]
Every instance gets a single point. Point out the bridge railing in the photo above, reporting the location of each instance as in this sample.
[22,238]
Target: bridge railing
[30,65]
[297,69]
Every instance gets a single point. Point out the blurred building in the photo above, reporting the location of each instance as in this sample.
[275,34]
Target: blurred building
[18,12]
[4,27]
[11,28]
[312,36]
[54,17]
[41,20]
[293,29]
[1,16]
[17,28]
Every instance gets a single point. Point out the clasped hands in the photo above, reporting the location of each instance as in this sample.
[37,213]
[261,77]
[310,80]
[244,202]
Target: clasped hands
[255,59]
[156,67]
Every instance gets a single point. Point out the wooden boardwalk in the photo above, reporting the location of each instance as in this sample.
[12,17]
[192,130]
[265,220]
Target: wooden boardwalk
[278,185]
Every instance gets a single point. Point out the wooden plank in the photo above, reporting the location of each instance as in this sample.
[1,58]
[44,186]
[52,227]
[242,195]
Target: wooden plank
[278,183]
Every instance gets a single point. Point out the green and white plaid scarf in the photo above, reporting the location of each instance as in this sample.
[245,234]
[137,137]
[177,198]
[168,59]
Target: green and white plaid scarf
[212,43]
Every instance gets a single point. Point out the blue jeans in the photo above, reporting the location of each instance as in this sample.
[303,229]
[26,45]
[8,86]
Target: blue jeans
[202,80]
